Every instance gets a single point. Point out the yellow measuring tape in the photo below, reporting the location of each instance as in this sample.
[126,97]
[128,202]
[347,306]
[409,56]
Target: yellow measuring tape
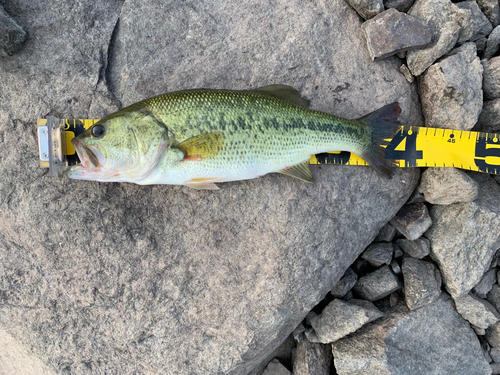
[411,147]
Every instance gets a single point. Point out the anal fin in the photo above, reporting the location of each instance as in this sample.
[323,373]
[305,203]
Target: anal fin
[204,183]
[300,171]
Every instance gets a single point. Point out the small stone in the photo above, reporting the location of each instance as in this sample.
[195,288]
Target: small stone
[482,26]
[451,90]
[495,354]
[398,252]
[477,311]
[345,284]
[386,234]
[309,316]
[310,335]
[377,284]
[495,368]
[298,333]
[394,298]
[491,78]
[379,253]
[448,25]
[493,296]
[492,43]
[349,296]
[447,186]
[367,8]
[464,237]
[489,119]
[412,220]
[479,331]
[276,368]
[480,45]
[493,335]
[312,359]
[491,10]
[422,282]
[406,72]
[341,318]
[418,249]
[434,339]
[486,283]
[391,32]
[11,34]
[401,5]
[396,268]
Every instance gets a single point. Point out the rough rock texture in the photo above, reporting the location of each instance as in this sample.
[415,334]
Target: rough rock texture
[491,10]
[465,236]
[480,45]
[491,78]
[391,32]
[419,248]
[495,368]
[477,311]
[451,90]
[481,25]
[406,72]
[312,359]
[11,34]
[486,283]
[401,5]
[492,43]
[341,318]
[493,335]
[412,220]
[276,368]
[404,342]
[378,253]
[422,282]
[377,284]
[448,25]
[489,119]
[447,186]
[367,8]
[386,234]
[493,296]
[118,278]
[345,284]
[495,354]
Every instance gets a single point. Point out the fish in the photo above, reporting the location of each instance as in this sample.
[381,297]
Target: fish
[201,137]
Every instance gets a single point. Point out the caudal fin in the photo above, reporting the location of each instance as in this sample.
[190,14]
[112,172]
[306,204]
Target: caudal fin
[383,124]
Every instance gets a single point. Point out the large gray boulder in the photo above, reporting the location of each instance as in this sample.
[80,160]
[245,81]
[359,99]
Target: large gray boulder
[119,278]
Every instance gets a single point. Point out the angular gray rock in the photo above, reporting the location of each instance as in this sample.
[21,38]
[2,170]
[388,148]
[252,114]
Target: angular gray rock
[98,277]
[477,311]
[367,8]
[419,248]
[480,45]
[492,43]
[491,10]
[447,185]
[422,282]
[345,284]
[412,220]
[378,253]
[12,35]
[391,32]
[493,335]
[491,78]
[341,318]
[276,368]
[386,234]
[406,72]
[448,25]
[377,284]
[465,236]
[395,267]
[451,90]
[401,5]
[486,283]
[312,359]
[489,119]
[434,339]
[482,26]
[495,368]
[495,354]
[493,296]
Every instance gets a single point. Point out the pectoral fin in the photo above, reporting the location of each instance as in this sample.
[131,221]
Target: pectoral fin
[300,171]
[205,183]
[202,146]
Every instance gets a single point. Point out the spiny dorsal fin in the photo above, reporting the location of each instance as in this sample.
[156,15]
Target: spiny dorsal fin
[285,92]
[300,171]
[202,146]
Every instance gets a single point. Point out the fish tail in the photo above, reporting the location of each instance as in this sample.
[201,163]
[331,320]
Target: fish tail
[383,125]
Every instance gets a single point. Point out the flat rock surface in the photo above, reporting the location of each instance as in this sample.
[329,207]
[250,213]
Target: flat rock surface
[477,311]
[491,77]
[377,284]
[451,90]
[447,186]
[404,342]
[312,359]
[418,248]
[412,220]
[481,25]
[465,236]
[422,282]
[489,119]
[378,253]
[98,277]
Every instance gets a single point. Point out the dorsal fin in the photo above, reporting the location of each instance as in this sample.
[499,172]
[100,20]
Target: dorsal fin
[285,92]
[300,171]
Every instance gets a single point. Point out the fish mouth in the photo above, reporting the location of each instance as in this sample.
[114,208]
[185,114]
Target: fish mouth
[91,162]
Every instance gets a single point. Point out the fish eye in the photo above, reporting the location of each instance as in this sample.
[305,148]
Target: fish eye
[97,131]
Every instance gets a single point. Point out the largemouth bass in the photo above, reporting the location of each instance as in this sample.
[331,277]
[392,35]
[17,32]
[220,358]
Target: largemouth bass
[200,137]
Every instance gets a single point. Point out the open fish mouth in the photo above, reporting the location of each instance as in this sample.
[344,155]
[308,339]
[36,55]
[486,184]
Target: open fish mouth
[91,162]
